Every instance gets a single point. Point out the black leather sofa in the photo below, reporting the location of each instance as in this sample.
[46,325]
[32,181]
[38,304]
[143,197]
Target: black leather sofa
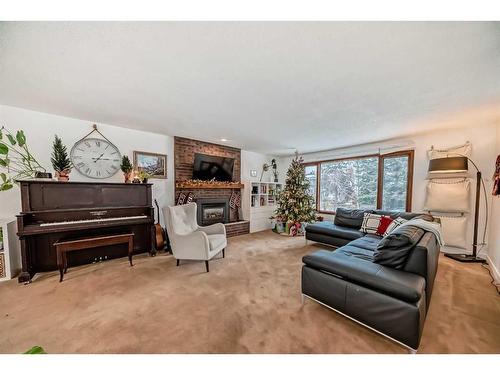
[390,300]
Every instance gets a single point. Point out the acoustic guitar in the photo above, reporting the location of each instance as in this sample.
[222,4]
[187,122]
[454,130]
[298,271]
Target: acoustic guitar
[159,232]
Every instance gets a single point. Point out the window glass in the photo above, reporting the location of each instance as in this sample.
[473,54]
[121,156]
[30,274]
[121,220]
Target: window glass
[395,183]
[312,177]
[349,184]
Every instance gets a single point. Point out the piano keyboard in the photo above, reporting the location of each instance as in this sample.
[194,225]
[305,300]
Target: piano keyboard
[93,220]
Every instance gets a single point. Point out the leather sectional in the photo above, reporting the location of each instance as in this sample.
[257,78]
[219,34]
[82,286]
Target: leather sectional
[392,300]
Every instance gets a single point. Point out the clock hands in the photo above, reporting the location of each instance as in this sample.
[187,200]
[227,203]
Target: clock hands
[95,160]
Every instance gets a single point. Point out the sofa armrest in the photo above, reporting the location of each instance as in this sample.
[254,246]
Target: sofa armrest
[399,284]
[423,260]
[194,245]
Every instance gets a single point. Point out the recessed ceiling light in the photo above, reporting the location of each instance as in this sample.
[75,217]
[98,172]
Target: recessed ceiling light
[223,140]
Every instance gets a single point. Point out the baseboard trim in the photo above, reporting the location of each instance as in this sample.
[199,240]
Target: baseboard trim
[494,270]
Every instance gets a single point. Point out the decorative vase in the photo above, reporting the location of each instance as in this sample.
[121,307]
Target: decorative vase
[62,176]
[126,177]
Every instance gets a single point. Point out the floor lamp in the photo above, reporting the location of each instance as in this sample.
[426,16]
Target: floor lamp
[460,164]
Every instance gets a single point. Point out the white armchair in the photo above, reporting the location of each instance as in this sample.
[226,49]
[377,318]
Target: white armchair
[190,241]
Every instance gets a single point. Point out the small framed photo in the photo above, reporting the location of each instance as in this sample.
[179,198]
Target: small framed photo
[253,173]
[154,164]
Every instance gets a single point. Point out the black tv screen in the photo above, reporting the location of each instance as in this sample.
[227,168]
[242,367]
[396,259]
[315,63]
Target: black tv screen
[208,167]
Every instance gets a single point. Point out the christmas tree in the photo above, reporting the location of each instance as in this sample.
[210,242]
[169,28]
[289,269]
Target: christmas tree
[60,160]
[295,204]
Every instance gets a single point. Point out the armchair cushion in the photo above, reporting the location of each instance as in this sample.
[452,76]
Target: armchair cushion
[216,241]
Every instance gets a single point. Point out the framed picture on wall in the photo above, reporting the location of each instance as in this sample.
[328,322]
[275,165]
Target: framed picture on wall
[155,164]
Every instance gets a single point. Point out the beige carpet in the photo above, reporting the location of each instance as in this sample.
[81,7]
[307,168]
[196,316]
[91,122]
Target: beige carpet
[248,303]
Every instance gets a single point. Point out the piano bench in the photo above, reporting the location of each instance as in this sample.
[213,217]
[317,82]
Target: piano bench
[63,247]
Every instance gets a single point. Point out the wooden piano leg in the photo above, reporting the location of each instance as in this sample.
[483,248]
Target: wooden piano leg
[130,250]
[60,263]
[65,261]
[25,276]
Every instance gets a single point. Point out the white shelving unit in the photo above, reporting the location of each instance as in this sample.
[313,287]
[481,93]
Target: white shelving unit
[10,253]
[261,202]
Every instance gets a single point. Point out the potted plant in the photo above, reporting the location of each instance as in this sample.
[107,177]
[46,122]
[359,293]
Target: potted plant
[275,170]
[60,160]
[16,160]
[126,168]
[144,176]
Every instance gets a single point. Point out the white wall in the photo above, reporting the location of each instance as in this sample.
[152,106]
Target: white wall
[253,160]
[484,150]
[494,242]
[40,129]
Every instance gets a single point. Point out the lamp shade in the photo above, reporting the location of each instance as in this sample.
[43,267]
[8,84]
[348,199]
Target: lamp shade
[453,164]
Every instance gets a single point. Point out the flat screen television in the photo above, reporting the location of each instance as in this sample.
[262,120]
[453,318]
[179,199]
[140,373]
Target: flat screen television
[208,167]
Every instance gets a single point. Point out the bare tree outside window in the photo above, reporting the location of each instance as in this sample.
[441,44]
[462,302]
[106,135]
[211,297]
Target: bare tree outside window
[395,183]
[312,175]
[349,184]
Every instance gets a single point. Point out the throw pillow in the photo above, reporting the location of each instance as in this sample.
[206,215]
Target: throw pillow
[370,223]
[395,223]
[393,250]
[385,221]
[349,218]
[449,195]
[454,230]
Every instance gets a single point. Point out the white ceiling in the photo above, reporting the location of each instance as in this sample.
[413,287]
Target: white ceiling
[266,86]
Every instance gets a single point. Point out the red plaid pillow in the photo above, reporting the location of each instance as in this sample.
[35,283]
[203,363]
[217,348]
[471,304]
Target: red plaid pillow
[385,221]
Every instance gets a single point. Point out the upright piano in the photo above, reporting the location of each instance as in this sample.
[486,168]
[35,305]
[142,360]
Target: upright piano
[53,211]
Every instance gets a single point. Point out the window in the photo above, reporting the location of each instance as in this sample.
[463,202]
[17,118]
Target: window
[349,184]
[312,176]
[368,182]
[396,187]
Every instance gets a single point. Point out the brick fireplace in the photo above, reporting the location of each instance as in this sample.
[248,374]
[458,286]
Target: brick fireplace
[184,151]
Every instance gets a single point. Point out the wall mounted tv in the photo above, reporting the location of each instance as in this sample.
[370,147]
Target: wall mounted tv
[208,167]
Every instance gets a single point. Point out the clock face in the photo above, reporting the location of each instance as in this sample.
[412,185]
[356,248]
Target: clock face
[95,158]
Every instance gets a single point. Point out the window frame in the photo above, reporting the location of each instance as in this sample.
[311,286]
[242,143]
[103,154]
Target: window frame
[380,180]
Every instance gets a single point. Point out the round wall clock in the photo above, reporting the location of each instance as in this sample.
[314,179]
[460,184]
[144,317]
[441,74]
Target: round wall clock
[95,157]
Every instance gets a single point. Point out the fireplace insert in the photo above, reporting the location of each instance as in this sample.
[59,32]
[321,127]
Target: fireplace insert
[211,211]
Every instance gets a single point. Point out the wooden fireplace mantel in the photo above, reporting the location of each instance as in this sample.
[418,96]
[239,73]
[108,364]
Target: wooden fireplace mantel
[189,185]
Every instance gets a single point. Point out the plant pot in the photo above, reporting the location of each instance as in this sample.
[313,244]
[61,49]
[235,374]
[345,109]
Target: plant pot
[126,177]
[62,176]
[144,180]
[43,175]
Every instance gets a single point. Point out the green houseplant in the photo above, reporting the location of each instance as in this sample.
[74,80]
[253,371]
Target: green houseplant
[60,160]
[126,168]
[144,176]
[16,160]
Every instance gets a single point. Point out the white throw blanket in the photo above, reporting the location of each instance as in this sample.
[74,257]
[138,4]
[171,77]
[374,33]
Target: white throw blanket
[430,226]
